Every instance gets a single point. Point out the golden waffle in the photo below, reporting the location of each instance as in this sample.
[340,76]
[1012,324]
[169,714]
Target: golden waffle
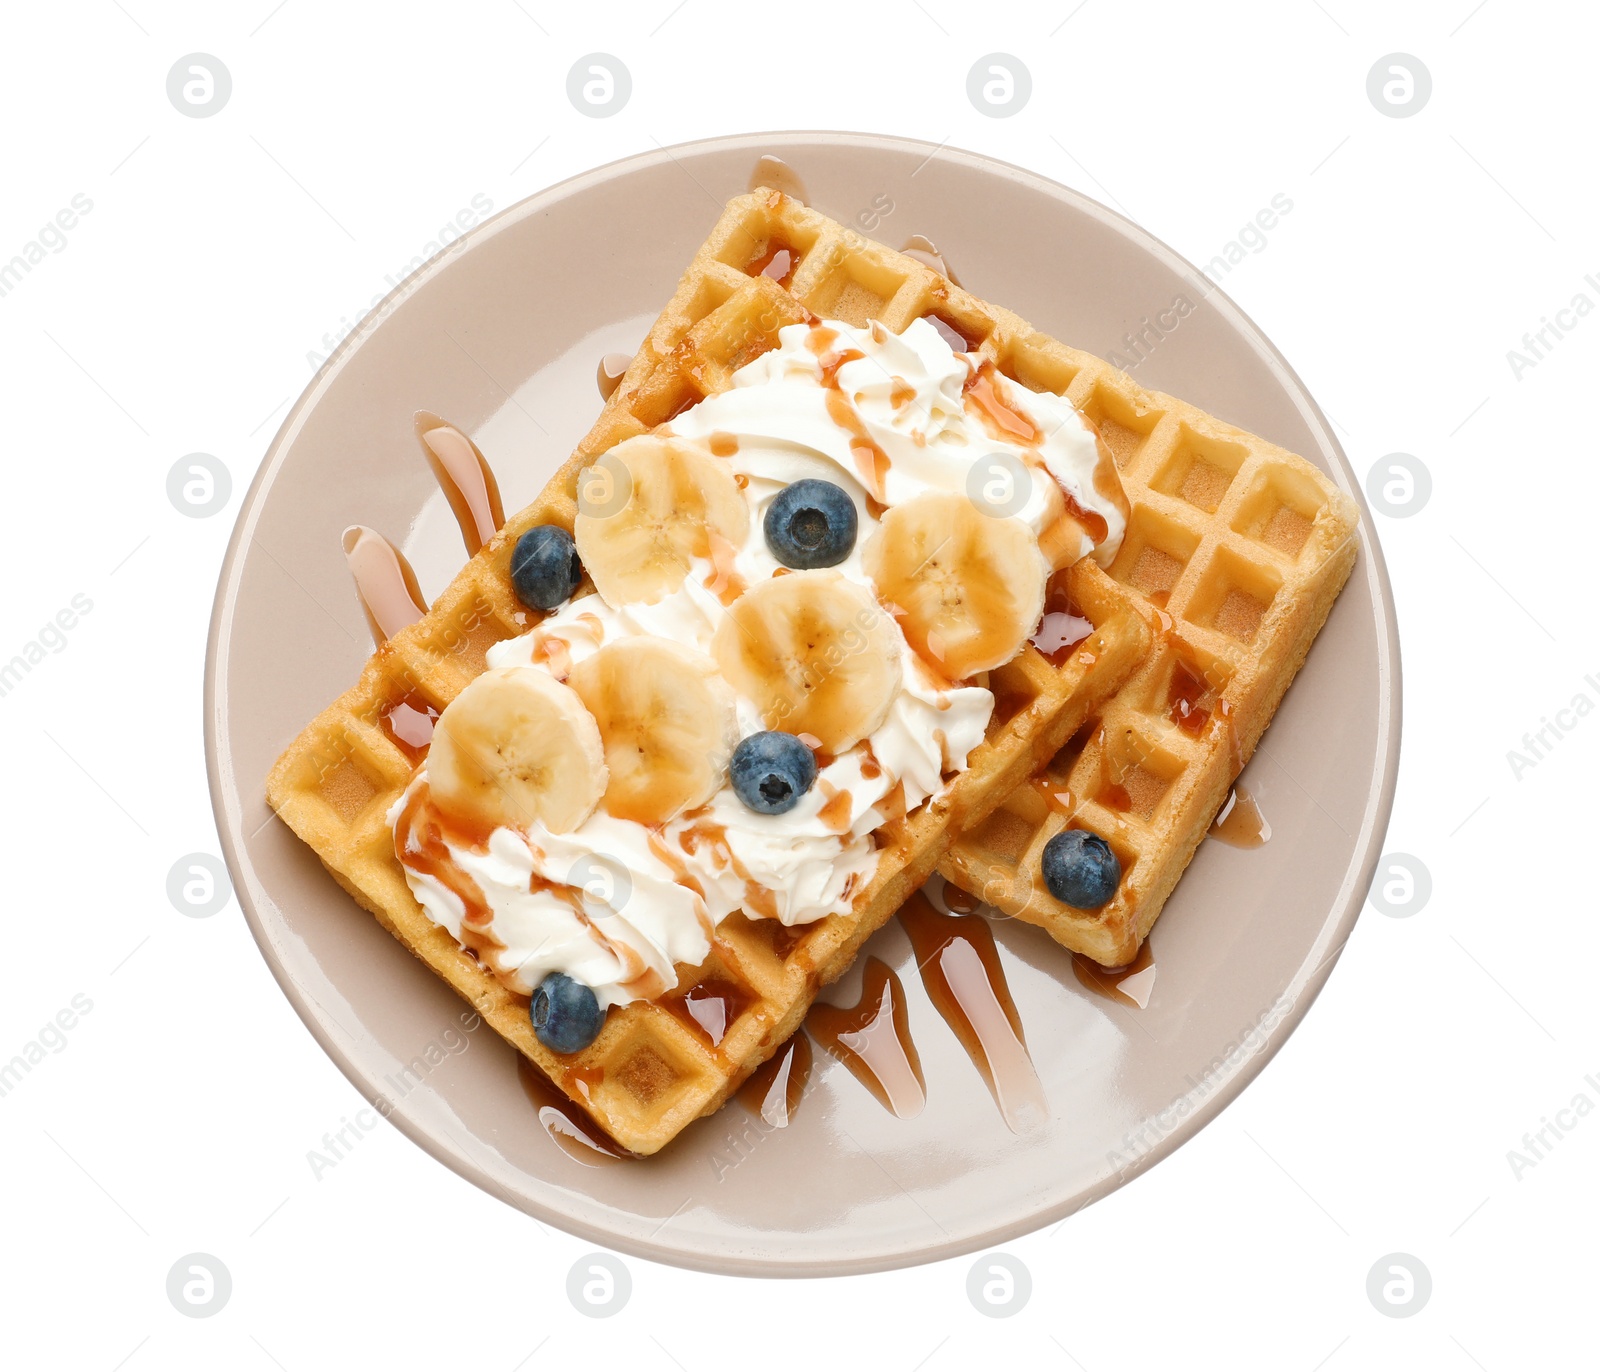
[1235,552]
[653,1068]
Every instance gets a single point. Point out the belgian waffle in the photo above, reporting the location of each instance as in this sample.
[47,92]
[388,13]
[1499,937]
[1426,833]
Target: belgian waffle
[1235,552]
[653,1069]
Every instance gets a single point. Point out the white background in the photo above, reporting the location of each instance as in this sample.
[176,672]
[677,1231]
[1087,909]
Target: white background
[178,317]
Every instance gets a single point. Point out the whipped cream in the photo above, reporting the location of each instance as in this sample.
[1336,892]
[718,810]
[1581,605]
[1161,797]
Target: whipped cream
[616,904]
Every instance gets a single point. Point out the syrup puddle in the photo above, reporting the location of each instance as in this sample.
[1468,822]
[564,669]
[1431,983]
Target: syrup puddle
[775,1088]
[1131,985]
[776,174]
[464,475]
[961,971]
[573,1132]
[608,375]
[385,583]
[710,1006]
[872,1039]
[1240,821]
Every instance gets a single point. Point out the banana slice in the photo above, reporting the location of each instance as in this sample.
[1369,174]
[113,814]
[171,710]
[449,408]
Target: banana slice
[971,584]
[514,747]
[646,508]
[815,653]
[667,721]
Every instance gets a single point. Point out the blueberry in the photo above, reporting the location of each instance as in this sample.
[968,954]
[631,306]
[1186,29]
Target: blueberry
[545,569]
[811,524]
[1080,869]
[566,1016]
[771,771]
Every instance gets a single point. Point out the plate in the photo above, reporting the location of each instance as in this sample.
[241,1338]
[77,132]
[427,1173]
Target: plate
[502,334]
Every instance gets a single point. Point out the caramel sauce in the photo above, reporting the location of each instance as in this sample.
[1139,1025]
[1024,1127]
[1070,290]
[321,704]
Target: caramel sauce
[723,443]
[1240,821]
[1184,693]
[409,724]
[873,1040]
[777,262]
[957,901]
[1059,632]
[608,375]
[774,1090]
[420,832]
[893,804]
[773,173]
[835,812]
[385,583]
[1002,419]
[1116,797]
[1124,985]
[710,1006]
[759,902]
[553,650]
[465,478]
[900,391]
[1107,484]
[724,583]
[921,248]
[581,1081]
[871,768]
[570,1129]
[872,463]
[1057,799]
[961,971]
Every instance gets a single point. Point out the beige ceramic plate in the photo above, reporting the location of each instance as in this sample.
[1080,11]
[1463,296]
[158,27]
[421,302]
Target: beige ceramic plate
[502,335]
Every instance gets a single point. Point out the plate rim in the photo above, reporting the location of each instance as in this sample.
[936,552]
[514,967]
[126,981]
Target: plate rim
[1304,988]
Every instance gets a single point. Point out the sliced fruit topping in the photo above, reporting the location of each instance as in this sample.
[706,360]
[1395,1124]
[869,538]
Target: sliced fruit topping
[646,509]
[1080,869]
[771,771]
[811,524]
[515,747]
[970,584]
[545,567]
[815,654]
[667,723]
[566,1016]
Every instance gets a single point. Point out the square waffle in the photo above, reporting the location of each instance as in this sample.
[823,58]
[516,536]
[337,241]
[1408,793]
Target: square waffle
[654,1068]
[1235,552]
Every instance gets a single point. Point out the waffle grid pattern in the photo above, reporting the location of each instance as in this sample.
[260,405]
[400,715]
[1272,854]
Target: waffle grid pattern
[1235,552]
[652,1070]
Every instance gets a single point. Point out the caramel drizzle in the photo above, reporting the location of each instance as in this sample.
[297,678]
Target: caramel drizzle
[835,812]
[1240,821]
[710,1006]
[1124,985]
[724,583]
[569,1128]
[385,583]
[465,477]
[422,835]
[409,723]
[872,1039]
[608,375]
[1004,420]
[775,1089]
[961,972]
[419,843]
[872,463]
